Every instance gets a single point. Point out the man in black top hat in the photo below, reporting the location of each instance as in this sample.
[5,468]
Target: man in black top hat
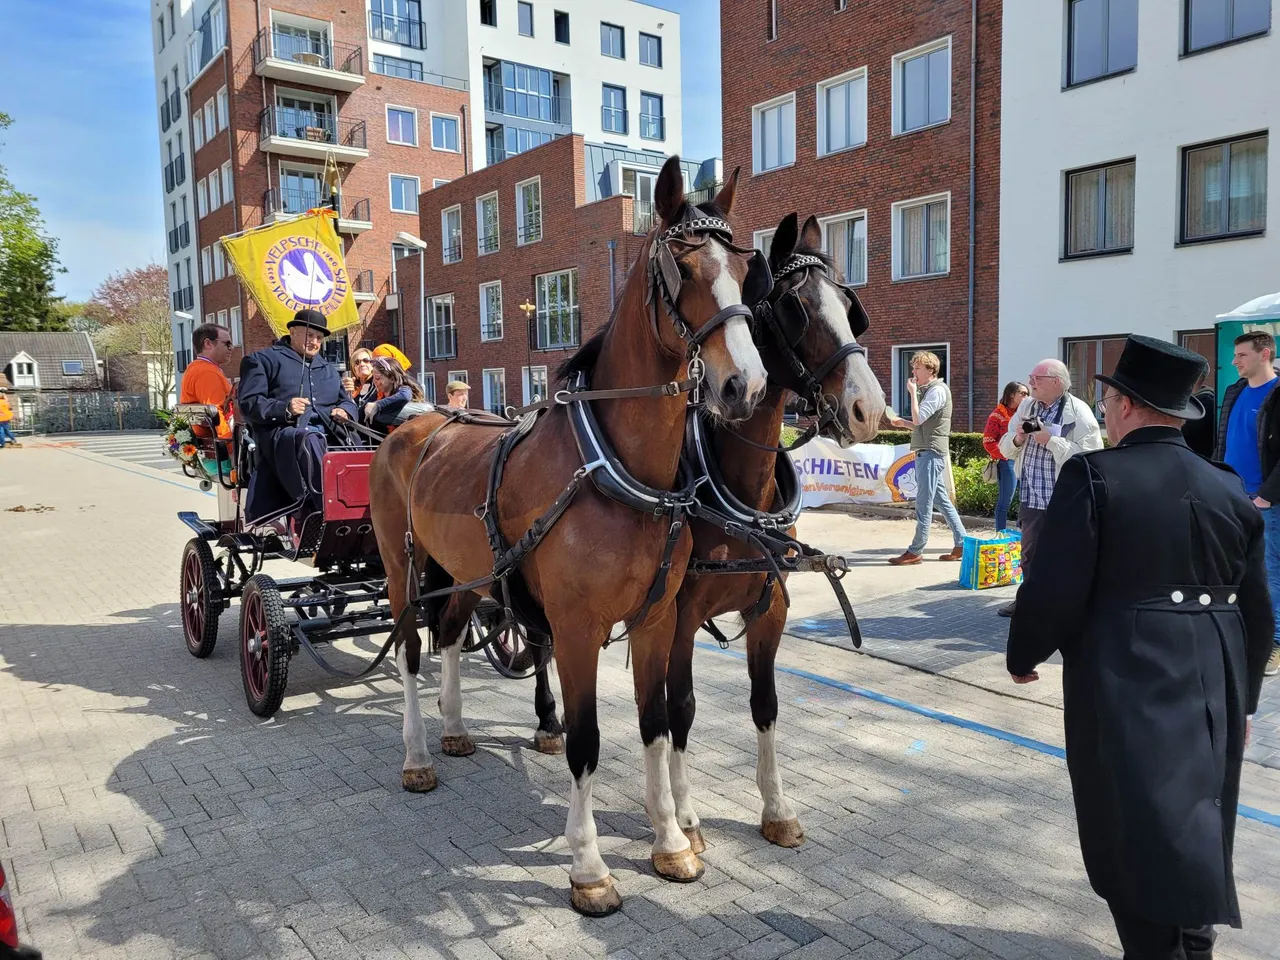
[291,396]
[1150,581]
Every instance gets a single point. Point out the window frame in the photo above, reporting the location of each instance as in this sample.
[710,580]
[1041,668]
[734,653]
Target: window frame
[758,238]
[215,190]
[1066,210]
[235,321]
[445,243]
[228,188]
[568,33]
[521,7]
[661,117]
[457,127]
[820,108]
[825,222]
[657,39]
[1071,82]
[622,40]
[526,383]
[484,388]
[1183,153]
[202,199]
[757,113]
[223,109]
[897,386]
[384,57]
[427,381]
[626,125]
[481,235]
[493,10]
[896,237]
[412,111]
[73,363]
[460,375]
[206,266]
[1185,48]
[521,236]
[391,194]
[433,326]
[574,309]
[500,326]
[898,66]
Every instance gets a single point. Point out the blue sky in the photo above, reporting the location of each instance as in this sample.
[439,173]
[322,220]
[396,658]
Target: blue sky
[85,138]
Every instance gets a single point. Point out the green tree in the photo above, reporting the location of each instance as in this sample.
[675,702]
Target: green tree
[28,261]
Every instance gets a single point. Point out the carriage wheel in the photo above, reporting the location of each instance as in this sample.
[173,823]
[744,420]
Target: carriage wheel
[264,645]
[511,653]
[201,598]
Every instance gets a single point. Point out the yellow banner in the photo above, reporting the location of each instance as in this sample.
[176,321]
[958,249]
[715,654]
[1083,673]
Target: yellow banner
[290,266]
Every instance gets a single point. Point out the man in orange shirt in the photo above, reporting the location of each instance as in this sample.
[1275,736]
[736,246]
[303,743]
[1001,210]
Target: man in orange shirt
[6,417]
[203,381]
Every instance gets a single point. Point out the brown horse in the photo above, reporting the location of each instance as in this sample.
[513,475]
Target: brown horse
[824,347]
[596,566]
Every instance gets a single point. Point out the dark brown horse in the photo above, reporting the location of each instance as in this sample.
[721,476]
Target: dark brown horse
[856,402]
[596,566]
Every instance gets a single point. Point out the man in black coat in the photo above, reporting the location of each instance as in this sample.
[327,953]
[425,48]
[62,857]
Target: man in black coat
[1152,586]
[291,396]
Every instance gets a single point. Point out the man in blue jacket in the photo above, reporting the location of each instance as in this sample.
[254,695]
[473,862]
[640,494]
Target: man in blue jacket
[291,396]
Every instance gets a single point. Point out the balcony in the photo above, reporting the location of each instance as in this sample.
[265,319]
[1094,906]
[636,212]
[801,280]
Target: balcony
[306,133]
[184,299]
[356,216]
[613,119]
[529,228]
[179,237]
[642,216]
[294,59]
[653,128]
[527,106]
[401,30]
[555,330]
[362,286]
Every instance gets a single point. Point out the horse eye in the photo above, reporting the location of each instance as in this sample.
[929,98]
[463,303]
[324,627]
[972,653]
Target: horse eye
[684,269]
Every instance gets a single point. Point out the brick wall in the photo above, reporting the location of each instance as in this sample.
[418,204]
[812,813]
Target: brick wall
[814,43]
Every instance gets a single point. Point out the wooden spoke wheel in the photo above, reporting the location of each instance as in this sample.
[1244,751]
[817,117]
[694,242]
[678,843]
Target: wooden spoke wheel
[200,593]
[265,645]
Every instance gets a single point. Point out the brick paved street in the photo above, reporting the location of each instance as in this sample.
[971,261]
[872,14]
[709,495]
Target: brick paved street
[147,814]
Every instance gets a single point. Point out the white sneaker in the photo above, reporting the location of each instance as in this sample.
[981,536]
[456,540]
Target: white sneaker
[1273,664]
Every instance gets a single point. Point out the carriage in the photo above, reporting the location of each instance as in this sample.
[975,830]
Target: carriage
[343,596]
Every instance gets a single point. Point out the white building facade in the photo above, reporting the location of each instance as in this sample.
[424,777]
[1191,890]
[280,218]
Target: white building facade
[1134,161]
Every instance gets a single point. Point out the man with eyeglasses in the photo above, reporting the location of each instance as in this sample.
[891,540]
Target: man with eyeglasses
[1048,428]
[203,381]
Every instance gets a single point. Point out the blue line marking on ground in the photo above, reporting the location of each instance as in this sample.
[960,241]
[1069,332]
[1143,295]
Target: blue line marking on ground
[136,473]
[1249,813]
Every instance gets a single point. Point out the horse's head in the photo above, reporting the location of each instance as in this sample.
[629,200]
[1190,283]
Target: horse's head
[809,333]
[709,282]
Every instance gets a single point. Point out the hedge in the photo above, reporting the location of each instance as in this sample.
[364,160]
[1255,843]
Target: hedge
[964,446]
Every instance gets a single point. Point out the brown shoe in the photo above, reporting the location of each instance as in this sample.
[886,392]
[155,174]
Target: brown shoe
[906,560]
[957,553]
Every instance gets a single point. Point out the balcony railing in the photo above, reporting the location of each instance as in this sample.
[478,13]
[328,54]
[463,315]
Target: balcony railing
[401,30]
[529,229]
[175,105]
[184,299]
[453,250]
[442,341]
[653,128]
[362,282]
[321,53]
[555,329]
[293,124]
[642,216]
[357,210]
[528,106]
[168,178]
[613,119]
[166,116]
[488,242]
[491,329]
[291,200]
[182,358]
[179,237]
[180,169]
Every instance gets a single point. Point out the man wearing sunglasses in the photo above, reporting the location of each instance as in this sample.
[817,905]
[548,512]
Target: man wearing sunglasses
[203,381]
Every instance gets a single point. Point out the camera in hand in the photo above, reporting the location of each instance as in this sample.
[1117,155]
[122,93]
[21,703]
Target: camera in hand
[1032,425]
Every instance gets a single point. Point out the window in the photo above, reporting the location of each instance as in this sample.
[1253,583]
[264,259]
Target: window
[404,194]
[613,41]
[902,369]
[223,109]
[495,390]
[210,122]
[562,27]
[650,50]
[400,250]
[459,375]
[219,262]
[1100,210]
[215,191]
[489,12]
[227,192]
[529,211]
[845,240]
[442,341]
[557,315]
[438,183]
[771,26]
[535,384]
[922,87]
[1203,342]
[444,133]
[762,240]
[1087,358]
[73,368]
[202,198]
[206,265]
[429,387]
[1224,189]
[402,126]
[487,224]
[397,67]
[774,134]
[160,30]
[397,21]
[301,189]
[525,16]
[237,327]
[222,318]
[197,132]
[491,311]
[24,373]
[921,237]
[652,123]
[172,25]
[1102,39]
[1211,23]
[451,230]
[842,112]
[613,115]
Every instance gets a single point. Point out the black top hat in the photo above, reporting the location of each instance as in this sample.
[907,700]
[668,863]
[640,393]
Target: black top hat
[1159,374]
[309,318]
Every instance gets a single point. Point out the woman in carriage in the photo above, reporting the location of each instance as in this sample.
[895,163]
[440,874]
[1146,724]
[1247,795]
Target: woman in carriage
[394,389]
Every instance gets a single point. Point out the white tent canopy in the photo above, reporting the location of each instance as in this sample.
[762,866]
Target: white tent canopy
[1262,308]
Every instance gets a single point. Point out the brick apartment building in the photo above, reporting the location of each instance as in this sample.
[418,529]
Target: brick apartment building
[557,229]
[858,111]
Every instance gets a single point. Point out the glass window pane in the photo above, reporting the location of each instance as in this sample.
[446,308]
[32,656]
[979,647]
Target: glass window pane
[912,237]
[837,117]
[1082,211]
[858,111]
[1251,16]
[787,132]
[1204,192]
[1248,186]
[915,93]
[939,229]
[1207,23]
[1122,37]
[1118,228]
[526,19]
[857,271]
[939,86]
[1087,34]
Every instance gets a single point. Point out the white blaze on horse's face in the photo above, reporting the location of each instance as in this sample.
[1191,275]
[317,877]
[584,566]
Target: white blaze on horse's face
[862,402]
[726,291]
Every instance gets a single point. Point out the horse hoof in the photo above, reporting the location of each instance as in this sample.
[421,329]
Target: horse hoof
[462,746]
[548,743]
[696,842]
[598,899]
[783,833]
[679,867]
[421,780]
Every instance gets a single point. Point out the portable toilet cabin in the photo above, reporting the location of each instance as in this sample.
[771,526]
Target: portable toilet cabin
[1260,314]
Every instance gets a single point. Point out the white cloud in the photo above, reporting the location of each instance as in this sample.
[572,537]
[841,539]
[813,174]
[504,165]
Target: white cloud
[92,250]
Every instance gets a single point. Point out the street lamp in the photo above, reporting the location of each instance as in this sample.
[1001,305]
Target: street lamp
[409,240]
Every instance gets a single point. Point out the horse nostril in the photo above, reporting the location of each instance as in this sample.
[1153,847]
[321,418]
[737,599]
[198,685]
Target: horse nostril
[859,412]
[735,388]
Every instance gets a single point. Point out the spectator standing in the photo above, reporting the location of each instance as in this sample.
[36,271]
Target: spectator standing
[930,427]
[203,381]
[1249,442]
[458,391]
[6,420]
[1048,428]
[997,425]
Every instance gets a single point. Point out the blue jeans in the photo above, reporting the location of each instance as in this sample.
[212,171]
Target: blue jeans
[931,488]
[1008,484]
[6,435]
[1271,518]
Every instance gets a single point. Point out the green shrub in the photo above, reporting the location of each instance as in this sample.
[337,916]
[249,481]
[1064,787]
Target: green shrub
[964,446]
[973,495]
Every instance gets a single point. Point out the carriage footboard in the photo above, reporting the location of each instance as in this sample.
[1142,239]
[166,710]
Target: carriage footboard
[202,528]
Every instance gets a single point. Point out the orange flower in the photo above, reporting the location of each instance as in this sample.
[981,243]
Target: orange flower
[188,450]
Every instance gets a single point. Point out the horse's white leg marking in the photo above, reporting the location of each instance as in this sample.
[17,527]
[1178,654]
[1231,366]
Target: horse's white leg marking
[681,792]
[416,754]
[776,805]
[580,832]
[658,802]
[451,691]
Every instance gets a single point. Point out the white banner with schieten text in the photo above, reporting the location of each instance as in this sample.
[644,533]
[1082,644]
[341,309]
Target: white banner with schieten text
[863,473]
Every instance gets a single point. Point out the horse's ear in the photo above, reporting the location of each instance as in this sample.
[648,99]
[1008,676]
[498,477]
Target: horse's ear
[668,197]
[724,199]
[784,241]
[811,234]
